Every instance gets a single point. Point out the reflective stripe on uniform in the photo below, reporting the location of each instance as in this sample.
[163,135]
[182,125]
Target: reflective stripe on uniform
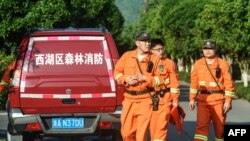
[167,81]
[118,76]
[200,137]
[157,81]
[216,139]
[202,83]
[157,140]
[174,90]
[212,84]
[193,90]
[229,93]
[4,83]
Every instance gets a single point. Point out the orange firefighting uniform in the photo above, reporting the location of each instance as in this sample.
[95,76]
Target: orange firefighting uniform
[166,70]
[137,109]
[5,82]
[210,106]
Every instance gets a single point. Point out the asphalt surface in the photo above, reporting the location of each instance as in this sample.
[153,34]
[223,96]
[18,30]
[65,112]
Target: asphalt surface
[239,115]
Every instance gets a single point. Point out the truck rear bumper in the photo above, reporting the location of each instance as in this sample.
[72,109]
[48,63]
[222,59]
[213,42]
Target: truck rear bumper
[19,121]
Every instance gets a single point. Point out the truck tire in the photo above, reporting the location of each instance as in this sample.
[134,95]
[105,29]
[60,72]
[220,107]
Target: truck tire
[116,136]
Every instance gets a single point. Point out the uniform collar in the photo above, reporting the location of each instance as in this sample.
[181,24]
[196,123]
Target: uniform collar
[135,55]
[215,63]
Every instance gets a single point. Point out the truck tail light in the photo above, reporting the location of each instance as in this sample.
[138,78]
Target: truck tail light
[33,127]
[105,124]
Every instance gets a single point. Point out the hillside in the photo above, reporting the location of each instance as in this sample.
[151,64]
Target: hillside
[130,9]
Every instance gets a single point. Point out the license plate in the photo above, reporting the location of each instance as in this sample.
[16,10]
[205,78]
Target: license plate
[67,123]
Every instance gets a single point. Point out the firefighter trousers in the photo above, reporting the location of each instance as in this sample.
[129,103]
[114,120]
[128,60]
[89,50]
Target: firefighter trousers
[159,122]
[205,114]
[135,119]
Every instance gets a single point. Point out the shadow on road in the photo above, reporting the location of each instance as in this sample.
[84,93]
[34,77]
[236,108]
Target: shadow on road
[188,132]
[184,89]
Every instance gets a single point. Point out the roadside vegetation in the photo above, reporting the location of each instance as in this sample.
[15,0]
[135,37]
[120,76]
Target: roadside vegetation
[242,92]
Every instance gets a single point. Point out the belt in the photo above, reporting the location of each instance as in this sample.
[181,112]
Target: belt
[211,91]
[139,92]
[164,90]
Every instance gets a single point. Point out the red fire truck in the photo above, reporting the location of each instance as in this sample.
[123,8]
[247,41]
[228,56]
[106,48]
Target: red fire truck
[63,85]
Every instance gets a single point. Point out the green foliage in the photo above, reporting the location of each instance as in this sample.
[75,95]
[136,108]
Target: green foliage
[45,13]
[179,22]
[126,40]
[5,60]
[184,76]
[242,92]
[173,21]
[17,17]
[225,22]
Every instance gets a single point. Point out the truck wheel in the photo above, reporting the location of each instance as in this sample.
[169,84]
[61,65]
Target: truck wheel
[67,139]
[29,137]
[116,136]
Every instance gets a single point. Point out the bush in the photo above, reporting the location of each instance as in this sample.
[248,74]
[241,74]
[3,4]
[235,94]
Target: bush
[242,92]
[184,76]
[5,60]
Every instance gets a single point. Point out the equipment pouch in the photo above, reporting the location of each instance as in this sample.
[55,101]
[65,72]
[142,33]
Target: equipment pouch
[155,101]
[150,66]
[161,93]
[217,72]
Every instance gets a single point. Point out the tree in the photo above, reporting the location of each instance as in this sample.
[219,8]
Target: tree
[178,24]
[173,21]
[226,22]
[18,16]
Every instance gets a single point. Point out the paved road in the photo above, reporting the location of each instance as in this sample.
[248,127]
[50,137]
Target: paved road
[238,115]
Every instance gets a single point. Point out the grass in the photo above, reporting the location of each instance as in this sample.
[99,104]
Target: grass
[242,92]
